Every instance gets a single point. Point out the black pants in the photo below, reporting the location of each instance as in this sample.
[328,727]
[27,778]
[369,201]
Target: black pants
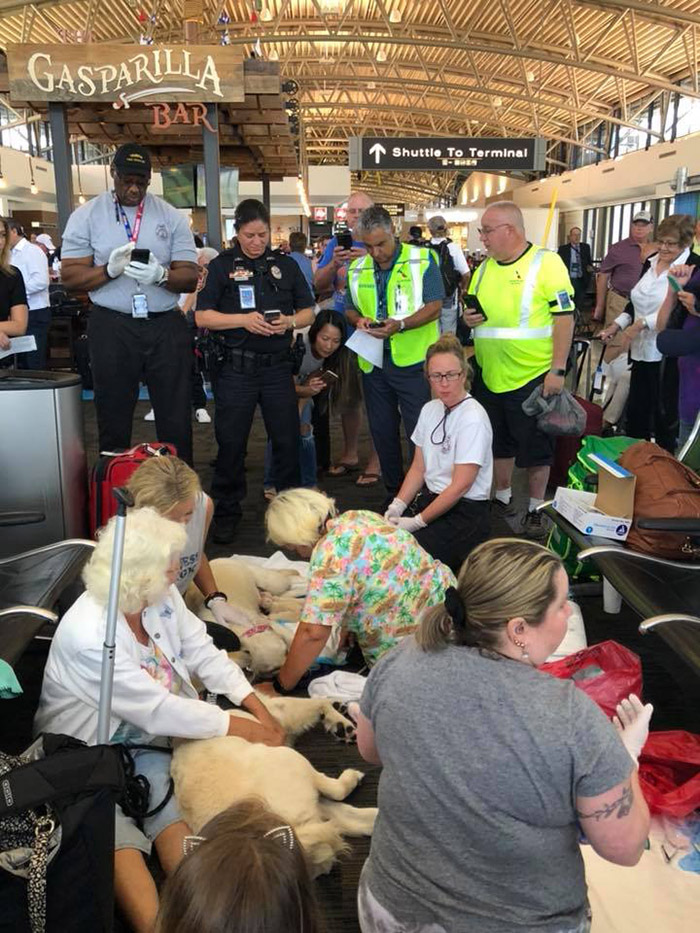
[199,395]
[126,350]
[645,413]
[454,534]
[38,325]
[237,393]
[321,422]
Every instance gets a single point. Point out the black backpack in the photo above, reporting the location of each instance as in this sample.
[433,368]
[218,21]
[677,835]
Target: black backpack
[450,277]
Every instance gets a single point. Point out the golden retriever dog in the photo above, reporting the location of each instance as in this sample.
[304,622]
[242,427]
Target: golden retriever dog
[268,618]
[212,774]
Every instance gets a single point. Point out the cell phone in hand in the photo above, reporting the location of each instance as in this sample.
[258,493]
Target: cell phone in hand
[141,255]
[344,239]
[329,377]
[675,284]
[473,304]
[271,317]
[376,324]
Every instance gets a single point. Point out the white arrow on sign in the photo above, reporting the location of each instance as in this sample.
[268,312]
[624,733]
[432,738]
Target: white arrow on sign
[377,151]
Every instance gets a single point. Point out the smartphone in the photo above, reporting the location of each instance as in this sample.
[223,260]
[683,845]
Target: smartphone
[675,284]
[329,377]
[271,316]
[375,324]
[345,239]
[473,304]
[141,255]
[564,301]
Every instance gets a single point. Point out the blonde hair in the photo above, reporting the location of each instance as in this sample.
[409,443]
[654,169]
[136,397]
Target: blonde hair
[248,874]
[448,343]
[502,579]
[151,542]
[298,517]
[161,483]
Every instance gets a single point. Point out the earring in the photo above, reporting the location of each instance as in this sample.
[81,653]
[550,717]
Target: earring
[523,648]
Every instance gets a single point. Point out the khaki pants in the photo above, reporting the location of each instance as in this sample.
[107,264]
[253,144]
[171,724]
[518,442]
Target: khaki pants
[614,306]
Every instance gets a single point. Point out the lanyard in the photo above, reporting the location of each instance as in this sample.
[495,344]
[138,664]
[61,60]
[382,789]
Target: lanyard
[132,236]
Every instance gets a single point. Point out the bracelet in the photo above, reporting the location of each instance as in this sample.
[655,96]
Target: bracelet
[217,594]
[278,688]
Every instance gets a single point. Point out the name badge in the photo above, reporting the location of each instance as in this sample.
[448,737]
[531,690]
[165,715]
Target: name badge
[139,306]
[246,295]
[240,274]
[400,305]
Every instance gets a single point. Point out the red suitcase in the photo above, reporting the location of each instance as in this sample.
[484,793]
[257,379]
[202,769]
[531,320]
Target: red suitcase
[567,447]
[115,469]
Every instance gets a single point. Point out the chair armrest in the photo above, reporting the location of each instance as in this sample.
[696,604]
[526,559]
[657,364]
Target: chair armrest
[650,624]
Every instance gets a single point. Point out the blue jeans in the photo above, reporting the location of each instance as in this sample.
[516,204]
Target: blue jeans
[307,454]
[393,393]
[38,325]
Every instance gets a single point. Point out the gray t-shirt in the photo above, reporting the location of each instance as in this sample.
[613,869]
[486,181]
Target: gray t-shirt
[483,760]
[96,228]
[191,556]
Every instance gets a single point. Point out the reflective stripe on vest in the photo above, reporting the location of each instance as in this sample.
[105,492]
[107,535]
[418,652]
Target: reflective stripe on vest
[522,331]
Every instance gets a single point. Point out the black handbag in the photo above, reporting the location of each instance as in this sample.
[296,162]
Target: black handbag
[57,804]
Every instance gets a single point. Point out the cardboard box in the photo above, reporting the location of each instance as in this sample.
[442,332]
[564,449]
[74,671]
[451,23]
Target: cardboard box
[607,513]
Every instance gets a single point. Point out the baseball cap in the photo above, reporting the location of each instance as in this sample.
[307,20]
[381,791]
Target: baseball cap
[642,217]
[437,223]
[132,159]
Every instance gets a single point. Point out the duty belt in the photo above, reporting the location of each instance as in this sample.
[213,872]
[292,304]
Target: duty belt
[249,361]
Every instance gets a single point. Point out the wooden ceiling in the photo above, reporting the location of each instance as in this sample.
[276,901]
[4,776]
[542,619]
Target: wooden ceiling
[555,68]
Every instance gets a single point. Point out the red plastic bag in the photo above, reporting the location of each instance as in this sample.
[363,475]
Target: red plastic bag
[669,773]
[607,672]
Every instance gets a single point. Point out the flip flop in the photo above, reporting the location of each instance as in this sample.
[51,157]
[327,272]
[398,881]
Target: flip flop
[343,469]
[373,479]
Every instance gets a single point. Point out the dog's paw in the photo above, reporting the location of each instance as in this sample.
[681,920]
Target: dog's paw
[344,732]
[336,721]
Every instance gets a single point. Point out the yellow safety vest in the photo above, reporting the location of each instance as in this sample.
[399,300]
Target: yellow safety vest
[404,295]
[514,345]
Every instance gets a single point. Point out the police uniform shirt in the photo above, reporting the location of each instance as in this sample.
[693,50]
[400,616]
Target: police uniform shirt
[96,228]
[236,284]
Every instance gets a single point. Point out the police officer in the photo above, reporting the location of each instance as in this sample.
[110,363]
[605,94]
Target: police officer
[253,299]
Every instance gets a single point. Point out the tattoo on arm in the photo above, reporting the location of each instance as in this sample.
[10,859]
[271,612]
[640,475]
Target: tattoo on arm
[619,807]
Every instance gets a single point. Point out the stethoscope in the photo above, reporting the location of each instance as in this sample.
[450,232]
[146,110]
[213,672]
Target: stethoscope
[445,443]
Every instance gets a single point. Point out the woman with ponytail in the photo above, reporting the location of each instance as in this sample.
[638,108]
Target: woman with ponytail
[493,769]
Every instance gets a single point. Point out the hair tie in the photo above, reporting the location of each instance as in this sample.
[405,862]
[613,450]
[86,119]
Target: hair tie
[455,608]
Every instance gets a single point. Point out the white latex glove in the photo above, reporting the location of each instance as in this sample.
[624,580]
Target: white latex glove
[118,260]
[408,523]
[227,615]
[396,508]
[151,273]
[632,722]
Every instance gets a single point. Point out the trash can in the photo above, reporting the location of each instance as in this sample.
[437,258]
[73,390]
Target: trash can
[43,494]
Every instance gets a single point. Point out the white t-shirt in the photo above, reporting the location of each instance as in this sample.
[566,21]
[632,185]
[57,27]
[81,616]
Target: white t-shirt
[466,438]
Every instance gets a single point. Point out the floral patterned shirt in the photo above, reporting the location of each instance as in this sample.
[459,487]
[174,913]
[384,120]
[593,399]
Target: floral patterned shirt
[372,579]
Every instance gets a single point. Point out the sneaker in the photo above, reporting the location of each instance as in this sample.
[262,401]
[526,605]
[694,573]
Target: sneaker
[202,416]
[509,511]
[533,526]
[150,416]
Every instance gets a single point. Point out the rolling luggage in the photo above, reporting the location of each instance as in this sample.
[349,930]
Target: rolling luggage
[567,448]
[113,470]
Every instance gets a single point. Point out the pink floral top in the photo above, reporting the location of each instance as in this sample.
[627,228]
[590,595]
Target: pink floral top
[372,579]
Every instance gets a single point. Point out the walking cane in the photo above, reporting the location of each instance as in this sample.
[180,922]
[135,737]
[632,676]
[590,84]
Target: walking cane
[124,501]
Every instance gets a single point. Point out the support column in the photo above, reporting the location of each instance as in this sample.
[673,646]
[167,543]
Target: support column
[212,173]
[266,190]
[61,163]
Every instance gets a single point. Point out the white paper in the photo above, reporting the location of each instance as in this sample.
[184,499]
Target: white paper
[369,348]
[19,345]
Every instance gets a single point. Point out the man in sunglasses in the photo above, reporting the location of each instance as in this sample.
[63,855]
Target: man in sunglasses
[522,336]
[135,255]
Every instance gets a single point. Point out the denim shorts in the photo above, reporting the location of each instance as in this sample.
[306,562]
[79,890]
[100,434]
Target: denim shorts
[155,766]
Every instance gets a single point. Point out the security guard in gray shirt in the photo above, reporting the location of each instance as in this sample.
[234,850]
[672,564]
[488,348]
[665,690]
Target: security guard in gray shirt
[136,331]
[254,297]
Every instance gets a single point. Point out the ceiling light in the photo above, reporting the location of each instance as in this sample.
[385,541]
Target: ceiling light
[274,56]
[33,188]
[395,16]
[530,76]
[381,55]
[330,6]
[266,15]
[3,183]
[81,198]
[497,101]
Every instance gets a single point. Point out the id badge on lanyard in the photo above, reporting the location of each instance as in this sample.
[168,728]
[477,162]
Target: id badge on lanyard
[139,301]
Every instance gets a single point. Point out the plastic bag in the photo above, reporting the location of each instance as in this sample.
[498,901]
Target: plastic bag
[607,672]
[556,414]
[669,772]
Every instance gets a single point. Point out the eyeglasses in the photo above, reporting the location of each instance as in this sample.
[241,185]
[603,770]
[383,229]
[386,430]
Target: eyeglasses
[668,243]
[445,377]
[487,231]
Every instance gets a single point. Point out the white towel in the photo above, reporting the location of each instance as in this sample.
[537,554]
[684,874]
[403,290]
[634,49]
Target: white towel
[340,685]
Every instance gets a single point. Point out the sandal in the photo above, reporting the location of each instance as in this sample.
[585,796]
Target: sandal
[343,469]
[373,479]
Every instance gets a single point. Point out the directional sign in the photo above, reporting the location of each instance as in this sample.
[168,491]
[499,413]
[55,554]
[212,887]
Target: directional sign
[394,153]
[394,210]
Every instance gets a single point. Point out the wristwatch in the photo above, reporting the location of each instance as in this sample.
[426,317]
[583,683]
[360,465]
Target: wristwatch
[278,688]
[217,594]
[557,372]
[402,325]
